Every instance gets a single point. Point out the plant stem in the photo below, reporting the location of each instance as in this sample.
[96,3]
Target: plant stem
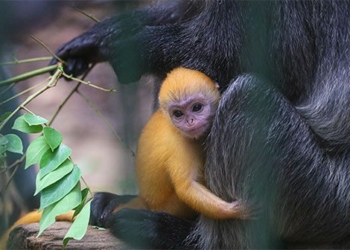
[28,75]
[70,94]
[30,98]
[109,126]
[26,60]
[87,83]
[48,49]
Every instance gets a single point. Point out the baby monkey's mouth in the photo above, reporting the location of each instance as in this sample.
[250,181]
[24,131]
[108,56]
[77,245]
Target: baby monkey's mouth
[197,131]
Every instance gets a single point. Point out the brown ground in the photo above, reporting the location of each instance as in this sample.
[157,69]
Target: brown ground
[106,164]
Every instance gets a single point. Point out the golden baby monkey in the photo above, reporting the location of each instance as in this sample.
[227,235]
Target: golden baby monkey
[170,154]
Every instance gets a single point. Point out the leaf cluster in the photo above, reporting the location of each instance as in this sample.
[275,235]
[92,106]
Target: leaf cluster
[58,177]
[9,143]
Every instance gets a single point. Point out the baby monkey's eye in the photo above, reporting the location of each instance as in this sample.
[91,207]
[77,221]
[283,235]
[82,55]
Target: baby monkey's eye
[178,113]
[197,107]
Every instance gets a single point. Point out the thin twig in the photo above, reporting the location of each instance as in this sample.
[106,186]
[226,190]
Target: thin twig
[74,89]
[30,98]
[54,79]
[22,93]
[86,185]
[48,49]
[87,83]
[17,162]
[28,75]
[109,126]
[7,89]
[9,180]
[26,60]
[28,110]
[69,96]
[84,13]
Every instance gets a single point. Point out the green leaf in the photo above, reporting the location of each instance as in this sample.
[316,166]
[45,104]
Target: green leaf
[51,160]
[52,137]
[65,168]
[14,144]
[71,200]
[21,124]
[84,194]
[33,120]
[61,188]
[79,226]
[98,228]
[3,140]
[4,116]
[3,149]
[35,151]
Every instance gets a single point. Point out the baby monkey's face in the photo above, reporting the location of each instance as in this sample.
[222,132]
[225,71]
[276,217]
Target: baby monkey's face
[192,115]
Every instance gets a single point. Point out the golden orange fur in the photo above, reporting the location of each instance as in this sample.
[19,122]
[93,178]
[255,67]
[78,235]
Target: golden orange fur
[181,83]
[169,165]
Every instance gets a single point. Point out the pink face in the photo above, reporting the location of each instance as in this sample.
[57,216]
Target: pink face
[192,116]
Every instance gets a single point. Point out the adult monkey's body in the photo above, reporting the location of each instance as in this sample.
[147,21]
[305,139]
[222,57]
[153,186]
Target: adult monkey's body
[283,140]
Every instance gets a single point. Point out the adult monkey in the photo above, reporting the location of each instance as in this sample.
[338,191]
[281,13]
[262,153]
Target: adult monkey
[280,137]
